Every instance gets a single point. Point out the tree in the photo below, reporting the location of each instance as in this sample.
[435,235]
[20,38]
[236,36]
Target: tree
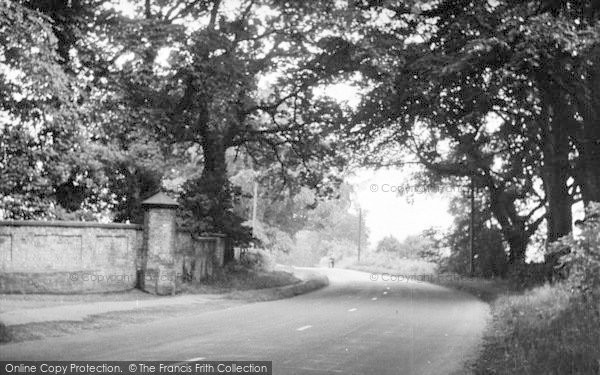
[219,108]
[207,95]
[40,140]
[413,246]
[147,89]
[490,258]
[391,245]
[59,111]
[303,228]
[440,71]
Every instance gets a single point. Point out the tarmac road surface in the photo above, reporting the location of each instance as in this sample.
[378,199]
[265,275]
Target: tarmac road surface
[353,326]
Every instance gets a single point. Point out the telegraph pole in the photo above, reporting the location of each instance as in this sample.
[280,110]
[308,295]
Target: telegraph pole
[359,230]
[254,204]
[472,230]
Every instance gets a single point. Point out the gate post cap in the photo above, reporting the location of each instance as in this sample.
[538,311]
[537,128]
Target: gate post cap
[160,200]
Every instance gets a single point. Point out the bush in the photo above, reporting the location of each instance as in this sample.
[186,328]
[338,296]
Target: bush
[256,260]
[582,263]
[5,335]
[529,275]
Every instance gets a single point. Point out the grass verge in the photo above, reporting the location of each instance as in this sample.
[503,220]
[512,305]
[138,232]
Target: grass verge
[240,279]
[487,290]
[313,283]
[545,330]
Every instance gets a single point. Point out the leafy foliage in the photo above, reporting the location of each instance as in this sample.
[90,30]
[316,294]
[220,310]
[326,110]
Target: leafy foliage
[497,93]
[490,258]
[325,227]
[411,247]
[389,244]
[582,263]
[208,202]
[100,107]
[40,139]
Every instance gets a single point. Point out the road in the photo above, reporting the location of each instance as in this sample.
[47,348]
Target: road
[354,326]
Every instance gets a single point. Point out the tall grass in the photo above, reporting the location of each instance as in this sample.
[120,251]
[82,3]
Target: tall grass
[546,330]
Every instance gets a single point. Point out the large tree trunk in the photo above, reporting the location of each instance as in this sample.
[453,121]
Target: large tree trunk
[589,145]
[590,164]
[517,241]
[556,168]
[216,185]
[511,224]
[516,236]
[214,149]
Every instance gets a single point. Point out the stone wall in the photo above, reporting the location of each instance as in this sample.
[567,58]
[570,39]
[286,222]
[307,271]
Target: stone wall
[68,257]
[77,257]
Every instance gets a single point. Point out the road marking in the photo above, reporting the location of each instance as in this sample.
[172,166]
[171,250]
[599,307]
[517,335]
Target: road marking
[353,309]
[303,328]
[315,370]
[189,360]
[195,359]
[374,299]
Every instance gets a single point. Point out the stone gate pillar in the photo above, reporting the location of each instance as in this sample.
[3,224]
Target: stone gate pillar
[159,275]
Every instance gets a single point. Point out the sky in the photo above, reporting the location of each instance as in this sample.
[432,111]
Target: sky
[389,212]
